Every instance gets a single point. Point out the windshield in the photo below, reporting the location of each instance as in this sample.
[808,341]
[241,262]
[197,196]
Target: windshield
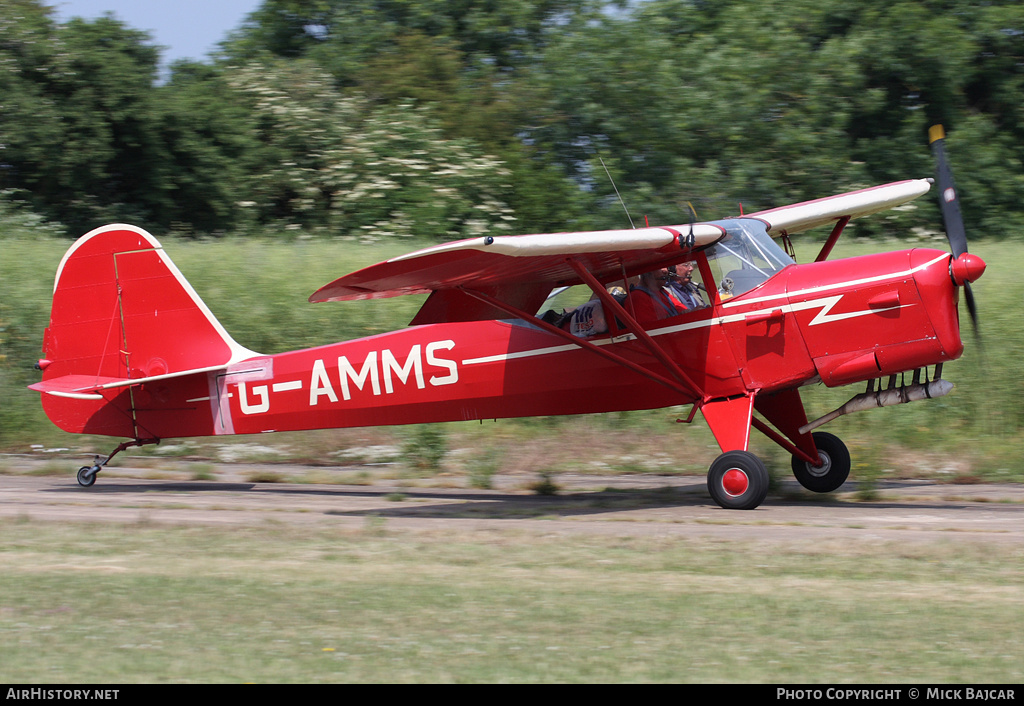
[745,257]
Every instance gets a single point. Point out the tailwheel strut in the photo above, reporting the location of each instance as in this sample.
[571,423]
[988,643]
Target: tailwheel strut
[87,474]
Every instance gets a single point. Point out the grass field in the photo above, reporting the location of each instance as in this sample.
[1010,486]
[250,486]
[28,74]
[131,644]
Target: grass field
[137,603]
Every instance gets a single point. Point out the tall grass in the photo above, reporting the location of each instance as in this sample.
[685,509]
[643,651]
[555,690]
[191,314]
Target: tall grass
[258,288]
[26,285]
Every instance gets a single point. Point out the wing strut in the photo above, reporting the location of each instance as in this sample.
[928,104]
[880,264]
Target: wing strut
[832,238]
[609,301]
[583,343]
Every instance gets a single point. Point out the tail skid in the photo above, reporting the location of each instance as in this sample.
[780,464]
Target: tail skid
[123,316]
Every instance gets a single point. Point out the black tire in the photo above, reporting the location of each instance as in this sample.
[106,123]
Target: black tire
[834,469]
[87,475]
[738,480]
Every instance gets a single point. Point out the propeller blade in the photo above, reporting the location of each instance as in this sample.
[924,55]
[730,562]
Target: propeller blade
[948,200]
[952,218]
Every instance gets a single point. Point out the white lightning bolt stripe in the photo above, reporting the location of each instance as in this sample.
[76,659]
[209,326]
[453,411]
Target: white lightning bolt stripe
[548,350]
[823,317]
[521,354]
[826,304]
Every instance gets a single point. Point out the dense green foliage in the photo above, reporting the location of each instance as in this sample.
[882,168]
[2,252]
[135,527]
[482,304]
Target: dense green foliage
[378,118]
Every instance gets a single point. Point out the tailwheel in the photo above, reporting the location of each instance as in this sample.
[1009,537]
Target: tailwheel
[738,480]
[833,469]
[87,475]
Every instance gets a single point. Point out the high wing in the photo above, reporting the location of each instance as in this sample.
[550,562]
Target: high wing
[501,260]
[521,270]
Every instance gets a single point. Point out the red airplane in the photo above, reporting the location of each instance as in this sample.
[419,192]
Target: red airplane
[132,351]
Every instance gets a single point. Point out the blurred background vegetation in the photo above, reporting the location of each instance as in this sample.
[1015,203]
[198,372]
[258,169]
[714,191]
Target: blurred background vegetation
[327,134]
[449,118]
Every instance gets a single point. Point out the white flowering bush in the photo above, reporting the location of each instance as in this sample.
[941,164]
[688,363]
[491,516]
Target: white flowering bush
[334,161]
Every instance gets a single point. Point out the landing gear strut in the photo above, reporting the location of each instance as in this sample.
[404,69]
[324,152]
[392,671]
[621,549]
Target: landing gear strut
[87,474]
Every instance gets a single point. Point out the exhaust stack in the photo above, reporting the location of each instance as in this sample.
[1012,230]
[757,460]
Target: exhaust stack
[888,397]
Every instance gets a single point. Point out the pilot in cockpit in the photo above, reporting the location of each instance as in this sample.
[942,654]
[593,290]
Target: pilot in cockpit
[682,289]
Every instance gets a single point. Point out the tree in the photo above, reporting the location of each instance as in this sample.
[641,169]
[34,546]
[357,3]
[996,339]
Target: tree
[342,36]
[336,163]
[208,136]
[77,130]
[716,103]
[773,102]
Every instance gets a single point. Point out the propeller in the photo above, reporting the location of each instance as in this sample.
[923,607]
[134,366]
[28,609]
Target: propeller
[964,268]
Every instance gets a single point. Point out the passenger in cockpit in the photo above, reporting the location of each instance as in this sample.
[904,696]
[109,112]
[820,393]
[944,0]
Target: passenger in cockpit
[648,301]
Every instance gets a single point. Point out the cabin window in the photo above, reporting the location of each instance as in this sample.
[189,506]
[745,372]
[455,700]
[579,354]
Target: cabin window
[745,257]
[579,311]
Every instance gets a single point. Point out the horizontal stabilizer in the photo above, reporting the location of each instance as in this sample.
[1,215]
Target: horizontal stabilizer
[88,386]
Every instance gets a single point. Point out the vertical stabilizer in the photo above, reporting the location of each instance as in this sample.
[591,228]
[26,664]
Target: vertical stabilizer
[122,311]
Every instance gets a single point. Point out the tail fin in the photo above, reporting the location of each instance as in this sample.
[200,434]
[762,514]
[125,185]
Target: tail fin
[122,315]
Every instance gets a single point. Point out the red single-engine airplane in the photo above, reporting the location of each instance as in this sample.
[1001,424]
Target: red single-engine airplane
[132,351]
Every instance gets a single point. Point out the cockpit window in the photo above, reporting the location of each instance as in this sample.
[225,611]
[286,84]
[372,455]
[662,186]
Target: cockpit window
[745,257]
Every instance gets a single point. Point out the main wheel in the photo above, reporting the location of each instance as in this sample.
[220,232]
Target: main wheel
[738,480]
[834,468]
[87,475]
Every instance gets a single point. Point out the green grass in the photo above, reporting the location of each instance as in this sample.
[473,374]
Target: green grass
[124,604]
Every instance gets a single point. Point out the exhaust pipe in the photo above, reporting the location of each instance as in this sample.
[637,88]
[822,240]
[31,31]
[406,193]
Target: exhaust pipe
[885,398]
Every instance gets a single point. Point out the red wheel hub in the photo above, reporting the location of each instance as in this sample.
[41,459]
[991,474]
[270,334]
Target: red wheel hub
[735,482]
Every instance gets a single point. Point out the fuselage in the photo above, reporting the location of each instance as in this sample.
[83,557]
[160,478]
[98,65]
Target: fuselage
[840,322]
